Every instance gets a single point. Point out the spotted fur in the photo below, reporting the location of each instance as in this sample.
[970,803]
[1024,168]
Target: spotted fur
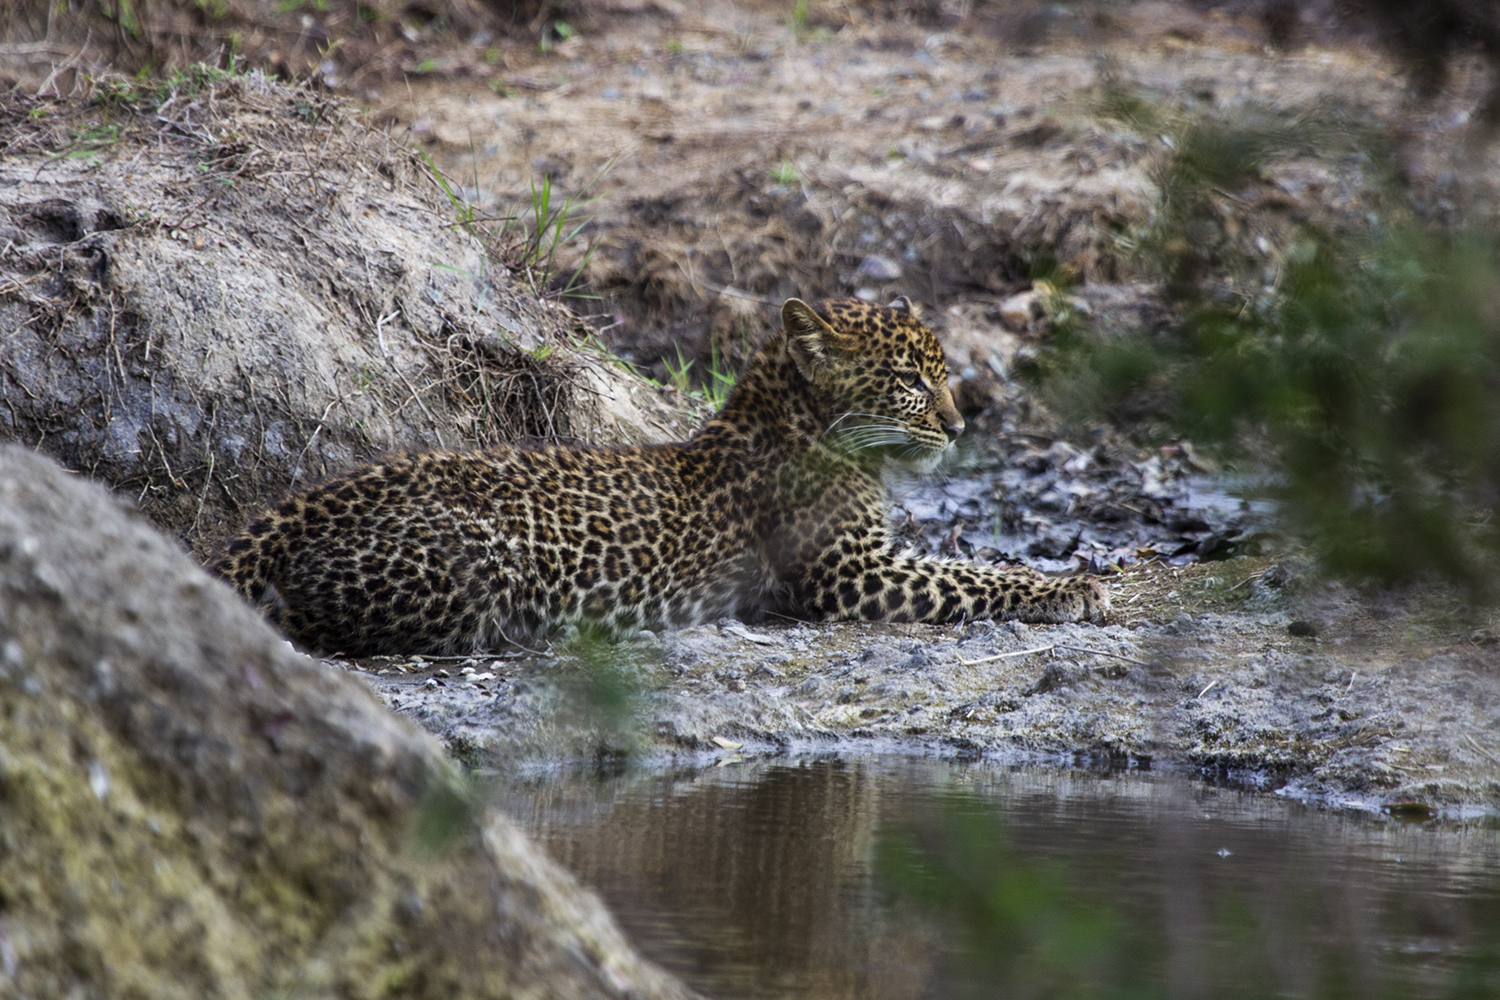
[776,503]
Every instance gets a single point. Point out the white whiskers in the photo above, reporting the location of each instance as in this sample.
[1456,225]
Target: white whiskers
[875,430]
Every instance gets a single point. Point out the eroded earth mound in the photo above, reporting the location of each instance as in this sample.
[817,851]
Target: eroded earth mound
[227,287]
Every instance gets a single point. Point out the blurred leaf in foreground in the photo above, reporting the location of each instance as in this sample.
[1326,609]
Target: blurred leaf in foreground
[1362,371]
[1021,929]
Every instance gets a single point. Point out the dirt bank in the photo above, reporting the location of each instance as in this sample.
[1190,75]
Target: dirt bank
[221,288]
[747,156]
[343,45]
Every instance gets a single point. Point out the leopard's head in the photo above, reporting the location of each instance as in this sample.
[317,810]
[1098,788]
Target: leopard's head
[883,375]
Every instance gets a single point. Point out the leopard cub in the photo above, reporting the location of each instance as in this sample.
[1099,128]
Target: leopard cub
[775,504]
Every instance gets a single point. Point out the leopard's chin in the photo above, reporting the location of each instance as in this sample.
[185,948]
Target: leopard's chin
[923,462]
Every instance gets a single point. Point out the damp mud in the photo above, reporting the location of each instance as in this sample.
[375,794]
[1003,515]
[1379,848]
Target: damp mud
[1240,671]
[230,289]
[735,154]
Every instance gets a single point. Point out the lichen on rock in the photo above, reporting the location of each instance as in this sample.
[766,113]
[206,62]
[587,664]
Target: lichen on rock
[188,808]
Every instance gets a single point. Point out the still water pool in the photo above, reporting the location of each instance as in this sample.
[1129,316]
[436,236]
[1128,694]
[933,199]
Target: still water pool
[883,877]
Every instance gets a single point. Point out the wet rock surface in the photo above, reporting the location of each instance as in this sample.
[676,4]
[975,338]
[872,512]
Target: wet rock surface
[191,809]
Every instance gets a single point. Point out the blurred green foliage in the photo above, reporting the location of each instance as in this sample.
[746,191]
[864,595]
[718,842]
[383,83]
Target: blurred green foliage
[1024,928]
[1358,362]
[449,811]
[604,680]
[1021,929]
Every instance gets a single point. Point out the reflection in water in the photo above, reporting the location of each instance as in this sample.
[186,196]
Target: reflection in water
[763,880]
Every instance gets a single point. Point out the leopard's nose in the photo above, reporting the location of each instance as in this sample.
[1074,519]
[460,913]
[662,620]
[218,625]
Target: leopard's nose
[954,428]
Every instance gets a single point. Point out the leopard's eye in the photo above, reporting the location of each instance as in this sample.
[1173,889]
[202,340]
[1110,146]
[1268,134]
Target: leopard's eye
[912,380]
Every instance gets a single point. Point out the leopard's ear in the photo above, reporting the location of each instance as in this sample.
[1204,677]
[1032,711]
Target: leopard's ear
[808,336]
[901,304]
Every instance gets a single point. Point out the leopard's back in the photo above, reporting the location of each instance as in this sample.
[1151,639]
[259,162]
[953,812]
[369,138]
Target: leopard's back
[455,552]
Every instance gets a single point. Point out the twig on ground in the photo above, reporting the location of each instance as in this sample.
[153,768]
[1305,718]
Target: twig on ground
[725,289]
[471,656]
[1006,656]
[35,48]
[415,395]
[406,661]
[534,652]
[68,64]
[380,331]
[1475,744]
[297,465]
[1103,652]
[208,481]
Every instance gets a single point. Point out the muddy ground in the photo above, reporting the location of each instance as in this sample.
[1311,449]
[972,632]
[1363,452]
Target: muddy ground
[743,152]
[1241,671]
[740,155]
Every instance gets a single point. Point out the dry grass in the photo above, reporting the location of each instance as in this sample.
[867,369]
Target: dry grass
[351,42]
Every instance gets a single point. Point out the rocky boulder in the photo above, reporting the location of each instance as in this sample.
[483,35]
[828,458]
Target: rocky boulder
[188,808]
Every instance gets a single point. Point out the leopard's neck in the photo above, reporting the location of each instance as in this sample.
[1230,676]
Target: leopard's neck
[773,412]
